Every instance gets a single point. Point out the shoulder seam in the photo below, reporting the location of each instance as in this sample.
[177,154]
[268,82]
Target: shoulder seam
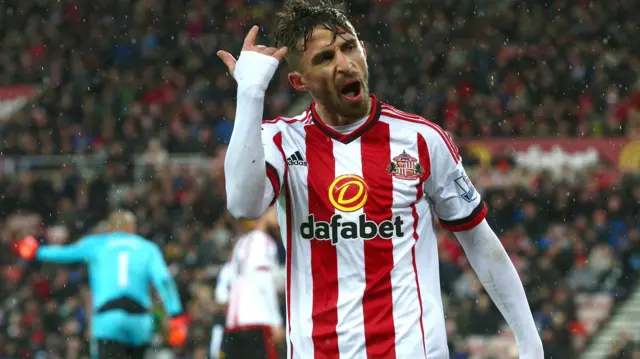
[403,115]
[392,112]
[303,118]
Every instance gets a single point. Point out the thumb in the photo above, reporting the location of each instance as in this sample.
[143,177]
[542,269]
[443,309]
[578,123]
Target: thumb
[228,60]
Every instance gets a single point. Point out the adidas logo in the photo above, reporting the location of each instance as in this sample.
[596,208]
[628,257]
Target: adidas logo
[296,160]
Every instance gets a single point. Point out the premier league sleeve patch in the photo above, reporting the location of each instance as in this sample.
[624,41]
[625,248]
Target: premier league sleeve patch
[465,189]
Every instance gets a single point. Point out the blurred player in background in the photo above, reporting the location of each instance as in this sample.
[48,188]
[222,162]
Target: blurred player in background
[253,325]
[357,184]
[122,267]
[222,297]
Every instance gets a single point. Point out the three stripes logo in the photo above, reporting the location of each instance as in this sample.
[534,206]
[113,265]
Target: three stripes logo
[296,160]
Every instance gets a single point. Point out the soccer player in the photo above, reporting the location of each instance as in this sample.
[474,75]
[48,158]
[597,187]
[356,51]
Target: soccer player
[253,324]
[122,265]
[357,183]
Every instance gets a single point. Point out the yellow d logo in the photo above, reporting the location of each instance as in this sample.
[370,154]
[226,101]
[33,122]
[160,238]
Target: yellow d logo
[348,193]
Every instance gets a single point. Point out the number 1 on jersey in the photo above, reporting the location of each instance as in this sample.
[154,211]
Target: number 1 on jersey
[123,269]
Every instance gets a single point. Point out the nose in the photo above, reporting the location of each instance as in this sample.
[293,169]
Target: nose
[343,64]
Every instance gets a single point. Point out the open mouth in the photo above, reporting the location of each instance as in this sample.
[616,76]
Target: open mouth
[352,90]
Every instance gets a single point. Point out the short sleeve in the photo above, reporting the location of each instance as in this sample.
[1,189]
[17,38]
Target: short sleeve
[455,200]
[274,157]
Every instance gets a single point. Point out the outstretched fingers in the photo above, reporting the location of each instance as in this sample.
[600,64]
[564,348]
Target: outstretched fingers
[250,40]
[250,45]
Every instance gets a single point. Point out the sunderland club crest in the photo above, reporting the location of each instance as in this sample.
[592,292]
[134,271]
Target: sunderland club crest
[405,167]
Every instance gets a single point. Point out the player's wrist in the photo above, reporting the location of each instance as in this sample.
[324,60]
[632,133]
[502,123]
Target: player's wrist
[250,91]
[254,70]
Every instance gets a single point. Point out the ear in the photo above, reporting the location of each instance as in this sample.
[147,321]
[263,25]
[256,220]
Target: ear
[364,49]
[297,81]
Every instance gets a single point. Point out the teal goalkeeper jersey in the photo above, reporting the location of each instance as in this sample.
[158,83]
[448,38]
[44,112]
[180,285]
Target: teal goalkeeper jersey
[120,265]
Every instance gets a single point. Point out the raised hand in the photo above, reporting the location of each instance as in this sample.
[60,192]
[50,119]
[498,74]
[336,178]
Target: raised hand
[250,45]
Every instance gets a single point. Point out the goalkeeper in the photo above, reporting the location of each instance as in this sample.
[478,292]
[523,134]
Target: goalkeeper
[122,267]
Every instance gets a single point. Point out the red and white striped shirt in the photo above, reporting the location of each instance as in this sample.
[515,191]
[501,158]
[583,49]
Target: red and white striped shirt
[356,213]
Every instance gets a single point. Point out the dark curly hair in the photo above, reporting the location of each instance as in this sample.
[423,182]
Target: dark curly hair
[298,19]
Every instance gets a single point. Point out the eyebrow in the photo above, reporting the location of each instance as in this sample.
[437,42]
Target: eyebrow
[317,58]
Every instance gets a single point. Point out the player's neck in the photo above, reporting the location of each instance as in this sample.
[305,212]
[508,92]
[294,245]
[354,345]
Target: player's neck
[121,230]
[332,119]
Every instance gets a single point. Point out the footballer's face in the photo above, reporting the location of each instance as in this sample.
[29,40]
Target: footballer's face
[335,72]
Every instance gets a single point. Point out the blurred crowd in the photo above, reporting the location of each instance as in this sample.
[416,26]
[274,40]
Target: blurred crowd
[43,310]
[119,76]
[565,237]
[625,348]
[126,80]
[534,68]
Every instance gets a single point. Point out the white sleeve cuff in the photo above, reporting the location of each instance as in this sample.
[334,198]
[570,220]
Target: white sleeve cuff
[255,69]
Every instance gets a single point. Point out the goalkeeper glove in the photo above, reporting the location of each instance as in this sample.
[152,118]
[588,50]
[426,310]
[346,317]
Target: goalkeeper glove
[28,247]
[178,327]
